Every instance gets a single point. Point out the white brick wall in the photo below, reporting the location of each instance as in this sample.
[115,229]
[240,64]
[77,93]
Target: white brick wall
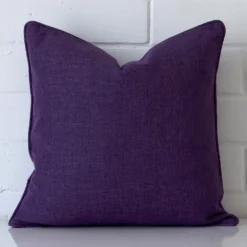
[126,29]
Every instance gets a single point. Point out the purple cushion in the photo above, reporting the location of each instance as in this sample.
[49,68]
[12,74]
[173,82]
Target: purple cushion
[130,145]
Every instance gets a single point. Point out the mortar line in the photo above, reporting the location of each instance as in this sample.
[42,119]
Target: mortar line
[245,169]
[149,21]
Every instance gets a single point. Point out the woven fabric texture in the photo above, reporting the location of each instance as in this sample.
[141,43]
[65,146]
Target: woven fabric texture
[129,145]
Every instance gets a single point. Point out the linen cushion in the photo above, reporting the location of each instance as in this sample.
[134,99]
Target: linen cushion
[129,145]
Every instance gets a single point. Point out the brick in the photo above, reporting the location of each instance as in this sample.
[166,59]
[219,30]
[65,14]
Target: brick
[14,121]
[8,203]
[236,203]
[13,69]
[232,119]
[172,17]
[107,21]
[15,165]
[233,14]
[233,168]
[231,74]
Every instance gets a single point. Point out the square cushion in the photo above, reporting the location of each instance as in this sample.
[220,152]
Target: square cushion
[130,145]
